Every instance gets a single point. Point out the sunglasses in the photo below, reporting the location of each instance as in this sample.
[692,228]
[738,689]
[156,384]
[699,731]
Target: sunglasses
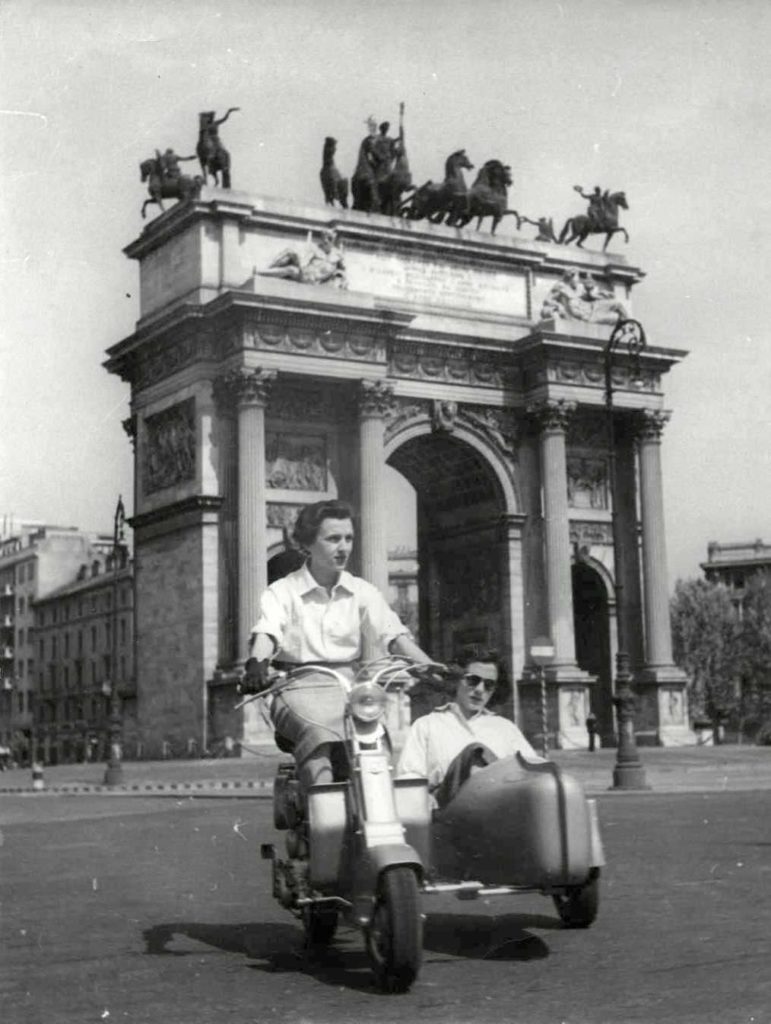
[474,681]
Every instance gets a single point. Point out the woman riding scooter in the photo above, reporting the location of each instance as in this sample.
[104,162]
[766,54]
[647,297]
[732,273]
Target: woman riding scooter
[320,614]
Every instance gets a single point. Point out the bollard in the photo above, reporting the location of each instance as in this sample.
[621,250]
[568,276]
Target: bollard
[591,728]
[38,782]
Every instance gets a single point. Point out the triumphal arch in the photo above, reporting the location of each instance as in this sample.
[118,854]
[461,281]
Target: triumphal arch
[263,378]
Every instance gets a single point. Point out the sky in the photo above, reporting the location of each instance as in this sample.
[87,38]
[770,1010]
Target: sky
[666,99]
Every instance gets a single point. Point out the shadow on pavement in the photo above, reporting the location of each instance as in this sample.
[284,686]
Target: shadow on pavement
[281,947]
[344,963]
[253,940]
[480,937]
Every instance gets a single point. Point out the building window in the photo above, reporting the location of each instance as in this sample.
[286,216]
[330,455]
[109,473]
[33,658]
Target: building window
[93,603]
[123,632]
[22,604]
[20,701]
[108,633]
[41,648]
[123,666]
[66,677]
[80,641]
[31,571]
[66,645]
[93,638]
[54,646]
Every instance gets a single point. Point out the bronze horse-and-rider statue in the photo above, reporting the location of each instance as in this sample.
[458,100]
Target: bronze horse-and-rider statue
[601,218]
[213,156]
[382,171]
[165,181]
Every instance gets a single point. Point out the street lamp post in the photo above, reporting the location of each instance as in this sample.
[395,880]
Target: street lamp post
[628,772]
[113,776]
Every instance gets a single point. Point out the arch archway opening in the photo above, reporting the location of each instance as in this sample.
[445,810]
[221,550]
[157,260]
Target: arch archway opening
[591,622]
[461,575]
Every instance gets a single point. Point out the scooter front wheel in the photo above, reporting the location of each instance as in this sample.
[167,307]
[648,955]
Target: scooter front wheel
[395,933]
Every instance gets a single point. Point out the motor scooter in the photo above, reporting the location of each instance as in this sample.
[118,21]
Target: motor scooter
[357,847]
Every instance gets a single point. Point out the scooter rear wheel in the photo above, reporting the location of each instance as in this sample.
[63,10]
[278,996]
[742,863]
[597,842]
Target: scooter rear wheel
[320,923]
[395,934]
[578,907]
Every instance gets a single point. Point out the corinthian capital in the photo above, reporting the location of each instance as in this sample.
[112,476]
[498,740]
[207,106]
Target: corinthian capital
[376,397]
[552,414]
[649,423]
[243,387]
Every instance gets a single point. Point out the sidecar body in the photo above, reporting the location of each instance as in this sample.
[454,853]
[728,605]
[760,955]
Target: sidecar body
[513,826]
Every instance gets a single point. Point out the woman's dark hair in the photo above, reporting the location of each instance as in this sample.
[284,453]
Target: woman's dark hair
[466,655]
[306,529]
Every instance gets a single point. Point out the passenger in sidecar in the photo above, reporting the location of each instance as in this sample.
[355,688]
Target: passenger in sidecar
[448,744]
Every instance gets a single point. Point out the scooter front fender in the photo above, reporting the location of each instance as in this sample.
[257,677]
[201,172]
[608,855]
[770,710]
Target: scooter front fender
[375,861]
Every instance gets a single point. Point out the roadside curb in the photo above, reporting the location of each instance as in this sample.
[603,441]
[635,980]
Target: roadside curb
[236,788]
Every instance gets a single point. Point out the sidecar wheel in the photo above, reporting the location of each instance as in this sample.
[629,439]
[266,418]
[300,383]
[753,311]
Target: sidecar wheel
[395,934]
[578,907]
[320,925]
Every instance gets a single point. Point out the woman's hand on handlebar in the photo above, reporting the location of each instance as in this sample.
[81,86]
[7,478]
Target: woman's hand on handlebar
[256,677]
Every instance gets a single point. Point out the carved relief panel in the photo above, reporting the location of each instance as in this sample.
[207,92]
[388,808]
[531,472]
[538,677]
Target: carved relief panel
[587,482]
[170,447]
[296,462]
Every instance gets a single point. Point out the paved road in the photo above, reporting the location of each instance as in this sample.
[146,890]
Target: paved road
[157,910]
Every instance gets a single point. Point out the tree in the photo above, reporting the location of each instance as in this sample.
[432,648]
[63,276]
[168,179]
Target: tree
[755,655]
[705,641]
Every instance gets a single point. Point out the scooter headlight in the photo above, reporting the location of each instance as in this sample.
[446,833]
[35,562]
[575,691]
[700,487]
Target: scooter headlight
[367,702]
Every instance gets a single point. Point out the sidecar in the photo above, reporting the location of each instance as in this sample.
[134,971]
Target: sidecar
[513,826]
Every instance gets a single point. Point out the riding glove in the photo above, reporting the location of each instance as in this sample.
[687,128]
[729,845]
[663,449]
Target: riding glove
[255,678]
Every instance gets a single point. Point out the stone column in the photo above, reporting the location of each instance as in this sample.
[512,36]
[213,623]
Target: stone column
[662,686]
[226,434]
[552,418]
[568,694]
[658,639]
[375,399]
[250,389]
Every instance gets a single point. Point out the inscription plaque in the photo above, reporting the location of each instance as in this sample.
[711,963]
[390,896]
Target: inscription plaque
[428,282]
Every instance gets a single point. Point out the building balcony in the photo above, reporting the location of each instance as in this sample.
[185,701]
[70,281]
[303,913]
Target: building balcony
[7,620]
[6,652]
[7,590]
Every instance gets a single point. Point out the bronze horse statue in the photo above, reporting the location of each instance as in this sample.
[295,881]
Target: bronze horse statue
[487,197]
[436,201]
[604,221]
[333,184]
[162,187]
